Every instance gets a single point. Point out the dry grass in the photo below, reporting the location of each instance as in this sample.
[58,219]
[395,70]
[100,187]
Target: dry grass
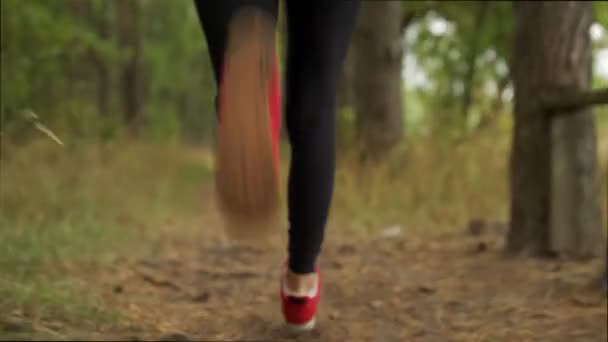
[66,206]
[61,207]
[436,187]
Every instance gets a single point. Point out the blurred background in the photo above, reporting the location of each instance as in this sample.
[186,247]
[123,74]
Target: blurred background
[107,130]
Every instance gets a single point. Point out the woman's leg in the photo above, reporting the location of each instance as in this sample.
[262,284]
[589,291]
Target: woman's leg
[215,18]
[241,41]
[319,33]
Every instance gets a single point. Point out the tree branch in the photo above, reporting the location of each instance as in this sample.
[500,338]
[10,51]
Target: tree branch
[563,102]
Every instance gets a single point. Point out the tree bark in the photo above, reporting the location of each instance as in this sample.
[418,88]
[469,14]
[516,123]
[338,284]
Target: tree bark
[377,78]
[554,189]
[129,38]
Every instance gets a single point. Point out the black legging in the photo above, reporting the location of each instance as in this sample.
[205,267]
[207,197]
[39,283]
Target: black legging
[319,33]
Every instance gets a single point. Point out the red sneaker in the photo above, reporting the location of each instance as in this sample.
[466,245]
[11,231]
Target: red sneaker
[300,312]
[247,169]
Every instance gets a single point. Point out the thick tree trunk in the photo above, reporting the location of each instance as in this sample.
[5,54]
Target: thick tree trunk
[129,37]
[575,210]
[377,77]
[554,190]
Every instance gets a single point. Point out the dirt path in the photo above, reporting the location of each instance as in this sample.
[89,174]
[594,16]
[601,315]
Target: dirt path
[378,289]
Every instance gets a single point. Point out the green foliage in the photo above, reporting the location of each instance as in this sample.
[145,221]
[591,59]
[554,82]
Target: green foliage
[444,56]
[442,42]
[52,52]
[600,10]
[28,61]
[179,75]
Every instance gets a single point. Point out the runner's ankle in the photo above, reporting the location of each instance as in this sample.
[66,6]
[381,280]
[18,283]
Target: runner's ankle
[300,284]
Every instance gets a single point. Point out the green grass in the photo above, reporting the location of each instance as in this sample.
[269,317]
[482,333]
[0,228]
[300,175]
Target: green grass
[61,207]
[50,297]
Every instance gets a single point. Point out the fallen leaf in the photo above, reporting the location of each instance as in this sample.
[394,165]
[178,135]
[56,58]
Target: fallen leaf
[391,232]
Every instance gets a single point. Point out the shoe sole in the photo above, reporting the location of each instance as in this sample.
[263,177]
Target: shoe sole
[310,325]
[246,180]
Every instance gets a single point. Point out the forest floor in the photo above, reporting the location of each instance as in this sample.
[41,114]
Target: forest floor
[173,275]
[384,287]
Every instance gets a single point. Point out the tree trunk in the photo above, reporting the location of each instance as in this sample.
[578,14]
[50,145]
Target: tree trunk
[78,65]
[554,190]
[377,77]
[103,90]
[129,37]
